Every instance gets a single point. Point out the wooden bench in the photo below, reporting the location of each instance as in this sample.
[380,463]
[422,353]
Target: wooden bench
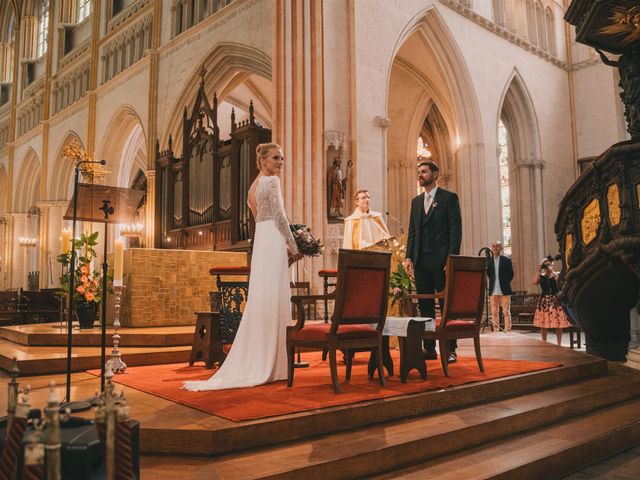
[40,306]
[523,307]
[10,313]
[18,307]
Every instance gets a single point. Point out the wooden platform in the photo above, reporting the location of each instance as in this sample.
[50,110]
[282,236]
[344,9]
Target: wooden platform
[539,425]
[41,349]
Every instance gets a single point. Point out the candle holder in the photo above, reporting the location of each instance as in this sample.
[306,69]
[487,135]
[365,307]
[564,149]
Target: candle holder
[116,362]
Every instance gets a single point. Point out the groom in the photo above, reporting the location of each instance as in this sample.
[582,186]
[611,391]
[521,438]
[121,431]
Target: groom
[435,231]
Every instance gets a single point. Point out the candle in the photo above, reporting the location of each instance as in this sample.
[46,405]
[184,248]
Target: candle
[117,263]
[65,241]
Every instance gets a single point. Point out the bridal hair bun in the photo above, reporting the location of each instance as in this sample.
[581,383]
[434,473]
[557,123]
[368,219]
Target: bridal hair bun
[262,151]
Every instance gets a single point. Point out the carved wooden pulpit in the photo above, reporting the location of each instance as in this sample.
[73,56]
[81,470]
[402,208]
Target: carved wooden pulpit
[598,223]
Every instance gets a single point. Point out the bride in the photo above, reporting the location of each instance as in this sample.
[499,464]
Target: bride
[259,354]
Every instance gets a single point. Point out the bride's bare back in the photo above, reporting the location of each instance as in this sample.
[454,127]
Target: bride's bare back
[251,198]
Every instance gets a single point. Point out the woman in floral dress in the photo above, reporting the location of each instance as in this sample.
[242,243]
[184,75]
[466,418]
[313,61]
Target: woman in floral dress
[549,312]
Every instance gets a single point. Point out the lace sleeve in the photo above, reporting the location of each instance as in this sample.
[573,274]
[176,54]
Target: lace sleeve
[274,197]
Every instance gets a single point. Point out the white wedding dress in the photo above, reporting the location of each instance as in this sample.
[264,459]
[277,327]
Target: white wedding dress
[258,354]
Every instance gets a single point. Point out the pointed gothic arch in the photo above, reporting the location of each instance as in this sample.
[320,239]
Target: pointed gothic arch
[28,179]
[459,107]
[124,147]
[517,112]
[60,185]
[223,65]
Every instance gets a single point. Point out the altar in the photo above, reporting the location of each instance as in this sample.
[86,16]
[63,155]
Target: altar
[165,287]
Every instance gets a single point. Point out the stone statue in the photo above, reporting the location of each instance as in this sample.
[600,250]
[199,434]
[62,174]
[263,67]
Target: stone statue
[336,187]
[629,67]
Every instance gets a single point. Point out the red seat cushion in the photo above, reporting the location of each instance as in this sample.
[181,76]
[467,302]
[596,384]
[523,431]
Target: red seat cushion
[345,332]
[461,325]
[457,325]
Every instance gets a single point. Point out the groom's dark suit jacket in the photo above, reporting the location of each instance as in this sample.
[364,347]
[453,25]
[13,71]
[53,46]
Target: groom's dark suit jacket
[435,235]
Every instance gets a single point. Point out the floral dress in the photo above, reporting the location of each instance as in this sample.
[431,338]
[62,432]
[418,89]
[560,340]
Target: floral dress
[549,312]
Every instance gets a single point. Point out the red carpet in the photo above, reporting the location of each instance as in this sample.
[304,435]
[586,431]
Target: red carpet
[312,387]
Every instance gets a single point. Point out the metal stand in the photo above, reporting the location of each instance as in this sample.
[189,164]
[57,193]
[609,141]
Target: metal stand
[74,406]
[116,363]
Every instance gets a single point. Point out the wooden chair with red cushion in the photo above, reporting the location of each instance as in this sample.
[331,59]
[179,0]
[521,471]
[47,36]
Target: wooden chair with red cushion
[359,314]
[463,305]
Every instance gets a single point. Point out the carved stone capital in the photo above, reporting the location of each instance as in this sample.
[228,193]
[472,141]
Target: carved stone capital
[335,138]
[382,122]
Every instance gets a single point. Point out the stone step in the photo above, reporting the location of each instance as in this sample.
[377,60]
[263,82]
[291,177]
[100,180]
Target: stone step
[35,360]
[170,435]
[55,334]
[367,451]
[546,453]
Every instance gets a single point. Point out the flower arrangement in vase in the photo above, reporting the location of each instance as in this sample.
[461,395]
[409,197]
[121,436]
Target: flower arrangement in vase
[87,280]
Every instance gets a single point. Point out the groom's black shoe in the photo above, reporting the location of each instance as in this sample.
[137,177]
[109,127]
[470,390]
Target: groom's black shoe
[453,357]
[429,354]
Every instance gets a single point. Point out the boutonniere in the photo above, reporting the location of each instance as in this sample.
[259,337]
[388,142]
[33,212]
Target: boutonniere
[434,204]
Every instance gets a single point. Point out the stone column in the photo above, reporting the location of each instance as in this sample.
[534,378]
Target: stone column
[51,224]
[150,217]
[30,38]
[470,160]
[5,62]
[17,266]
[4,252]
[68,12]
[299,114]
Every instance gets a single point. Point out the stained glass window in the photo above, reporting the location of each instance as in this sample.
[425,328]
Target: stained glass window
[505,203]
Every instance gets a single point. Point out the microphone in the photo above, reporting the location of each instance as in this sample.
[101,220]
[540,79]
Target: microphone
[486,251]
[397,221]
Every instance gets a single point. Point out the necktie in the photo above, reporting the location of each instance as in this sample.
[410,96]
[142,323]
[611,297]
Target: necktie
[427,203]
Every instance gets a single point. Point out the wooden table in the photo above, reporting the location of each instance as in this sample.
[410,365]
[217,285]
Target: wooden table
[410,340]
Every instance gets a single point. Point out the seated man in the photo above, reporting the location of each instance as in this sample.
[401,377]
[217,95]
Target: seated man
[363,227]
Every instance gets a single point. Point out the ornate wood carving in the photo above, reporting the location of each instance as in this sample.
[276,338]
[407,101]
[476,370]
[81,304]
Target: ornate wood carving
[201,195]
[590,222]
[613,204]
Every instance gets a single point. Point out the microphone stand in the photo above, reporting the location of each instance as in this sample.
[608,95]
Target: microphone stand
[397,221]
[74,406]
[487,321]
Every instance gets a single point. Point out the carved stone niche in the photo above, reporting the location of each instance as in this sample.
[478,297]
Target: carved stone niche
[337,171]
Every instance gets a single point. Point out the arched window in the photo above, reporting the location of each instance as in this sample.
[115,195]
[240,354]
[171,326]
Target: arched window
[542,26]
[84,9]
[551,32]
[505,203]
[423,150]
[43,27]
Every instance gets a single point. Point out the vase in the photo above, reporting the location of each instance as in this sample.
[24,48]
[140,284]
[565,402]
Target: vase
[86,313]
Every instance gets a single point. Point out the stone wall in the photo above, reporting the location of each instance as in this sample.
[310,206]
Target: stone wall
[166,287]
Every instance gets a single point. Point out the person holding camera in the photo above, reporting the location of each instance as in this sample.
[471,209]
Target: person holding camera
[549,313]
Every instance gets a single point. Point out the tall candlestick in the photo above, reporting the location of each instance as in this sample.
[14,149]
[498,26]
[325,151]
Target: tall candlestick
[117,263]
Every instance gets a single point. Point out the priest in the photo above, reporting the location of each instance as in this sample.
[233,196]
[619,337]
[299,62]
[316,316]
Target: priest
[363,227]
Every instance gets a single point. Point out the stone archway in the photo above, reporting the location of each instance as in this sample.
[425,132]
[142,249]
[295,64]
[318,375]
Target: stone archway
[60,185]
[238,74]
[428,69]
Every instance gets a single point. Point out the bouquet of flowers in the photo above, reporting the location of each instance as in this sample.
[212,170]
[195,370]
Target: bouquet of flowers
[307,244]
[88,282]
